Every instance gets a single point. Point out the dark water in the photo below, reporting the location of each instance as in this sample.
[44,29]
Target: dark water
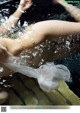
[45,10]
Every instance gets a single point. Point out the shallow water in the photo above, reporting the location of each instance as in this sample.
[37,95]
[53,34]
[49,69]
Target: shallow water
[38,53]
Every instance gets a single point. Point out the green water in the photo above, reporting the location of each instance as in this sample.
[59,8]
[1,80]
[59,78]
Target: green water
[73,1]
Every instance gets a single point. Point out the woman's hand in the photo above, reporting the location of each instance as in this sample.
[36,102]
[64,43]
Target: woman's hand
[25,4]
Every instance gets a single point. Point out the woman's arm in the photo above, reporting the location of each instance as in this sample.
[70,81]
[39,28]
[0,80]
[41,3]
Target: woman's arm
[74,11]
[13,19]
[41,31]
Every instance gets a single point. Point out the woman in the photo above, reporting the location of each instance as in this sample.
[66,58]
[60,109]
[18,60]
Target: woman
[40,31]
[51,29]
[13,19]
[6,26]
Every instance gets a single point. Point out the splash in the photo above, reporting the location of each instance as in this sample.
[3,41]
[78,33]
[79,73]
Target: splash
[47,75]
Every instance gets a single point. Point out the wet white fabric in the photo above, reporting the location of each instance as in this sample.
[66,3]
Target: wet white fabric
[47,75]
[50,74]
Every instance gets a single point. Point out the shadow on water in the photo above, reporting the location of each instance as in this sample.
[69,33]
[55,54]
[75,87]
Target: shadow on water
[45,10]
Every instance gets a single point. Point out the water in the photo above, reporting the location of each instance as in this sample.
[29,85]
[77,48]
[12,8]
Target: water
[47,75]
[38,53]
[3,1]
